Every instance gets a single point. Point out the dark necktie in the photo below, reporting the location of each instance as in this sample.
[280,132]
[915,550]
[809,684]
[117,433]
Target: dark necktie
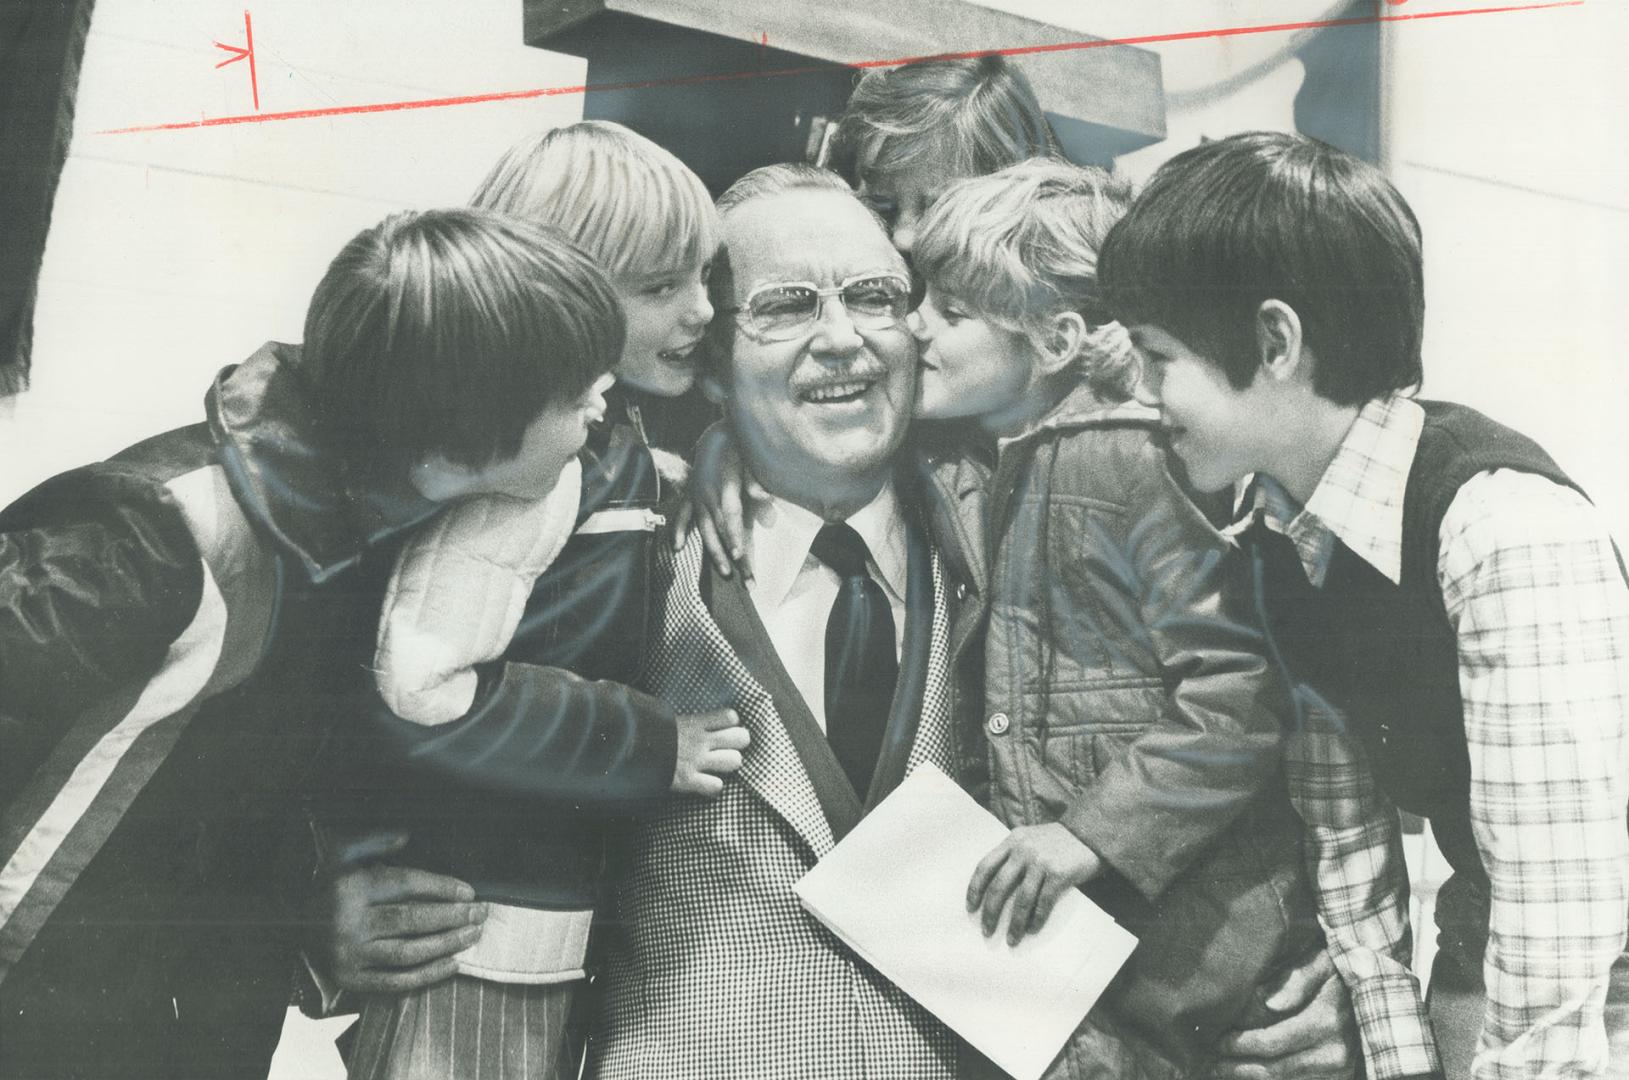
[861,666]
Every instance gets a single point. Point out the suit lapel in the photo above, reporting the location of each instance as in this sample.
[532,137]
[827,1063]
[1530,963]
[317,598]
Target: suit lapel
[905,714]
[737,618]
[693,666]
[957,505]
[918,727]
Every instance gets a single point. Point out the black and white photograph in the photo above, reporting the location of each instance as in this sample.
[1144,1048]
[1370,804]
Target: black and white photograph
[939,539]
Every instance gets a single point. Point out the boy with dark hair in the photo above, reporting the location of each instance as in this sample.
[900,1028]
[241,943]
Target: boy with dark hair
[180,628]
[1444,595]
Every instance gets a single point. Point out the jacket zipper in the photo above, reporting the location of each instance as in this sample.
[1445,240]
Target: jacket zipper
[627,519]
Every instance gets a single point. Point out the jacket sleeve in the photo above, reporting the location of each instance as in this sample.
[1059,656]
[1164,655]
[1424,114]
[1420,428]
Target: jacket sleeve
[99,574]
[1183,596]
[544,733]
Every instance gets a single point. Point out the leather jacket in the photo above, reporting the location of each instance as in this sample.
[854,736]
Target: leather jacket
[520,796]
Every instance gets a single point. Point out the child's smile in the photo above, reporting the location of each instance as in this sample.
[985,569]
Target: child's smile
[1207,422]
[667,315]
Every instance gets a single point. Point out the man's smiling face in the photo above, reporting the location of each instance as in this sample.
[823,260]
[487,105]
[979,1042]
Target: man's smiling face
[833,401]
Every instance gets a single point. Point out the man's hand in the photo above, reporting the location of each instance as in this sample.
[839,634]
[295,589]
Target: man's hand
[1304,1029]
[392,928]
[1033,865]
[720,488]
[710,746]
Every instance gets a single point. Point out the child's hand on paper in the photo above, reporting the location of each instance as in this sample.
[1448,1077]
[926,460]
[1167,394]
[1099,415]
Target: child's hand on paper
[1033,865]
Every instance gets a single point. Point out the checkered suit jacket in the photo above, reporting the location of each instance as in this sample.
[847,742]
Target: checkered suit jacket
[712,967]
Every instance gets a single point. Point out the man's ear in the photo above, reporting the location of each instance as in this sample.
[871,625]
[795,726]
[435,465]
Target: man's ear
[1060,343]
[1279,348]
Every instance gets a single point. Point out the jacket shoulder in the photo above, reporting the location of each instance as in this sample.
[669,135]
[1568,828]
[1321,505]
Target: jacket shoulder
[1115,461]
[100,571]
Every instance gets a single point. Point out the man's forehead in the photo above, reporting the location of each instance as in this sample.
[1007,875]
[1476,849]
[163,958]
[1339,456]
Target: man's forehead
[805,234]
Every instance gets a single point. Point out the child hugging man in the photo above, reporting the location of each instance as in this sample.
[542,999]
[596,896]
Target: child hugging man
[177,623]
[1447,599]
[502,763]
[500,773]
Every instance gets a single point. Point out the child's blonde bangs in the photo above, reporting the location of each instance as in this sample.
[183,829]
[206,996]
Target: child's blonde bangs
[630,204]
[1020,246]
[664,220]
[970,247]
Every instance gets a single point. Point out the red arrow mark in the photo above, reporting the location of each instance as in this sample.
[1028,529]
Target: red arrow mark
[858,65]
[238,54]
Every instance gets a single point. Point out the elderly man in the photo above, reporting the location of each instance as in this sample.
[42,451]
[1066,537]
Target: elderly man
[717,971]
[711,967]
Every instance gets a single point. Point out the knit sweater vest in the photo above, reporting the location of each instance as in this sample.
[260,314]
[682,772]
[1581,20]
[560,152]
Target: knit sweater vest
[1386,654]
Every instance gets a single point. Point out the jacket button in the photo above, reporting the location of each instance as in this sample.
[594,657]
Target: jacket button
[999,724]
[961,590]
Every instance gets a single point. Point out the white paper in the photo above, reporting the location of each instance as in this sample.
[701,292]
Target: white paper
[895,890]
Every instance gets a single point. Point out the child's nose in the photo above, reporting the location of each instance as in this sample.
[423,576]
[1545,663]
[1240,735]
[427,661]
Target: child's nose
[905,234]
[701,309]
[596,396]
[906,224]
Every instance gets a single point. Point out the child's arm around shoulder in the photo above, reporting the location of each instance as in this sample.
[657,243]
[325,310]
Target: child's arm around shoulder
[454,603]
[457,592]
[1216,743]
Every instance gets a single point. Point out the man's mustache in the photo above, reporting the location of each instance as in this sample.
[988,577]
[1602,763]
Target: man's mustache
[869,370]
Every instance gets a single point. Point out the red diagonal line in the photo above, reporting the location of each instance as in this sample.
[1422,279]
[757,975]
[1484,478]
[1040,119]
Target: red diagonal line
[241,53]
[1026,50]
[249,40]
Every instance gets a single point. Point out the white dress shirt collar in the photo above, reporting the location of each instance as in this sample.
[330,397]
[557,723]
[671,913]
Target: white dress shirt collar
[783,532]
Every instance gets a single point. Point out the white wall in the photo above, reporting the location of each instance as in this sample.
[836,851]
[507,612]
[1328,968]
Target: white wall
[1509,138]
[174,253]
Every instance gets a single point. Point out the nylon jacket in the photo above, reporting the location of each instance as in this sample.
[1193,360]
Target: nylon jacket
[520,796]
[180,629]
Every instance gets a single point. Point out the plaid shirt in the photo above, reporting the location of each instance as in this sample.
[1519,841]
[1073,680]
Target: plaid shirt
[1533,587]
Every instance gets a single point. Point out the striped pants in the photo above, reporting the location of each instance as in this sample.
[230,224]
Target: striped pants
[469,1029]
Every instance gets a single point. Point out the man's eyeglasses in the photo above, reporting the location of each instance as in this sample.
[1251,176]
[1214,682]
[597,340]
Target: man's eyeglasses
[784,310]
